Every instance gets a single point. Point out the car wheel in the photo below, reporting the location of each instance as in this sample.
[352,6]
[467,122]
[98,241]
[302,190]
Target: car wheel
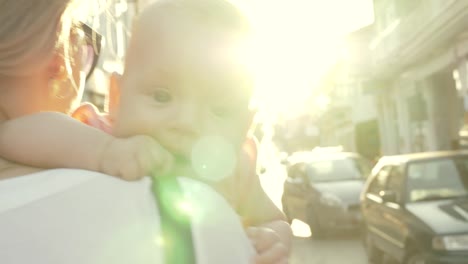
[316,229]
[416,258]
[374,254]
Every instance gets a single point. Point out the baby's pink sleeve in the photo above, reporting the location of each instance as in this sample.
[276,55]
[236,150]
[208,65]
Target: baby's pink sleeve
[90,115]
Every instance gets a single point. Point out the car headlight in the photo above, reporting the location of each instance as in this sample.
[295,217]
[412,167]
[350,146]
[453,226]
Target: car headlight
[450,243]
[331,200]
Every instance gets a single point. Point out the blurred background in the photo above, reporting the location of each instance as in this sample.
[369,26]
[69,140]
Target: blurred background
[376,77]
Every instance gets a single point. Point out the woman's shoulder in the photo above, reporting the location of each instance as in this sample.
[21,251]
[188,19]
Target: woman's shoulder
[36,185]
[10,169]
[87,204]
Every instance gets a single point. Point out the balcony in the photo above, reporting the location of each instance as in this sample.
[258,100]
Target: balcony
[420,33]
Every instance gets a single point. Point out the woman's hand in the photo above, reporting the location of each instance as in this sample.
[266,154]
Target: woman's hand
[270,248]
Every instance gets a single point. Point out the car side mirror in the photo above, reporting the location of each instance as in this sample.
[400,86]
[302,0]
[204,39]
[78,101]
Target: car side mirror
[388,196]
[283,157]
[262,170]
[302,182]
[304,178]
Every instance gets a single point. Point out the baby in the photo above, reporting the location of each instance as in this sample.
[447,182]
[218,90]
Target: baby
[186,88]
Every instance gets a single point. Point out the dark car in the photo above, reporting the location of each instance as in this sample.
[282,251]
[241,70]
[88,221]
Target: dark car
[322,190]
[415,208]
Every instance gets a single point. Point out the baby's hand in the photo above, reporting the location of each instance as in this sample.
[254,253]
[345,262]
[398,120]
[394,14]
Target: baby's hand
[134,157]
[270,248]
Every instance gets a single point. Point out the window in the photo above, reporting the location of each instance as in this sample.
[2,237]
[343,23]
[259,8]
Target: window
[364,167]
[340,169]
[395,182]
[437,179]
[378,183]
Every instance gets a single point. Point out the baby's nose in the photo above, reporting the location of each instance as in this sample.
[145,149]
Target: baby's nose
[189,120]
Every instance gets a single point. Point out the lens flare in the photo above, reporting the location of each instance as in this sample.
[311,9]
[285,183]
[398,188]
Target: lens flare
[213,158]
[160,241]
[185,207]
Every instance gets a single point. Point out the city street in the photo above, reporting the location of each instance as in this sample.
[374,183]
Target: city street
[334,250]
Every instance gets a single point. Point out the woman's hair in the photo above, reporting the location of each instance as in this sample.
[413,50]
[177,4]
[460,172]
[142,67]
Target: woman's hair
[30,32]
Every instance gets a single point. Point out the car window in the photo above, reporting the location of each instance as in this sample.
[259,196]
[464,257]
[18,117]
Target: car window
[437,179]
[340,169]
[395,182]
[364,167]
[378,182]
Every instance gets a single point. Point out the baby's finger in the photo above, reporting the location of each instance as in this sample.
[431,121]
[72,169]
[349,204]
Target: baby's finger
[263,238]
[148,160]
[130,171]
[278,253]
[283,261]
[110,169]
[162,161]
[167,162]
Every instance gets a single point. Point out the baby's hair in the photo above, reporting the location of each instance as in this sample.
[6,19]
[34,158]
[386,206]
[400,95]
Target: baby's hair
[217,13]
[220,16]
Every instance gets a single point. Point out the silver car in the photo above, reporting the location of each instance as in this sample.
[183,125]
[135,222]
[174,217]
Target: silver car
[322,190]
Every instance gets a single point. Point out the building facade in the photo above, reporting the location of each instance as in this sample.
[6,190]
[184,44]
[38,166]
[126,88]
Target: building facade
[418,51]
[416,79]
[350,120]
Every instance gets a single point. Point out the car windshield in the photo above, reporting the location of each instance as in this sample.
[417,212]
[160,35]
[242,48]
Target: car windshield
[437,179]
[338,169]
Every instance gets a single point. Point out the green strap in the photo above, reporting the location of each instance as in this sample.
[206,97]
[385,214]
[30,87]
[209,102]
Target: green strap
[176,230]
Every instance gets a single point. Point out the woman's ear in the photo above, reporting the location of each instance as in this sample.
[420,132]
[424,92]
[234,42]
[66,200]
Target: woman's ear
[114,95]
[56,68]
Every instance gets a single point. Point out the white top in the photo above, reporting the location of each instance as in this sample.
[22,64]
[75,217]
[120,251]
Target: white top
[74,216]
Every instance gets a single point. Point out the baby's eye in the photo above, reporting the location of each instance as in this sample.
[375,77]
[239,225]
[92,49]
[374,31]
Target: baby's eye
[162,96]
[222,111]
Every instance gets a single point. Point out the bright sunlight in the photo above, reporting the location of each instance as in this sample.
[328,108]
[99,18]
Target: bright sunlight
[297,41]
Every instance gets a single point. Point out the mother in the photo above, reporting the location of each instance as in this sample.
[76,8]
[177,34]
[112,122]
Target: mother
[76,216]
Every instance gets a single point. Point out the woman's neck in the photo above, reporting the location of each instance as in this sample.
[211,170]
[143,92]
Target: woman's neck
[10,169]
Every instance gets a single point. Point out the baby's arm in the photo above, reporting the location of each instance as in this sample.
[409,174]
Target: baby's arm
[267,227]
[54,140]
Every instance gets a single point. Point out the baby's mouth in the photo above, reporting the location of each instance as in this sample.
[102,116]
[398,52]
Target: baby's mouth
[181,160]
[183,166]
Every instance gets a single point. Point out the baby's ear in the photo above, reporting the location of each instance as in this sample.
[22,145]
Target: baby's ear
[250,146]
[249,149]
[114,94]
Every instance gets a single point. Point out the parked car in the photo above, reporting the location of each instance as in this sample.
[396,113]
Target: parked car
[322,190]
[415,208]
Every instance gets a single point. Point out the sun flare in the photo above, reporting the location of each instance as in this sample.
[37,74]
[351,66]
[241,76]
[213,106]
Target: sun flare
[296,41]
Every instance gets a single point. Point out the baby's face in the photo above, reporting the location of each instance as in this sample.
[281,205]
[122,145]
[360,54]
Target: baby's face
[184,83]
